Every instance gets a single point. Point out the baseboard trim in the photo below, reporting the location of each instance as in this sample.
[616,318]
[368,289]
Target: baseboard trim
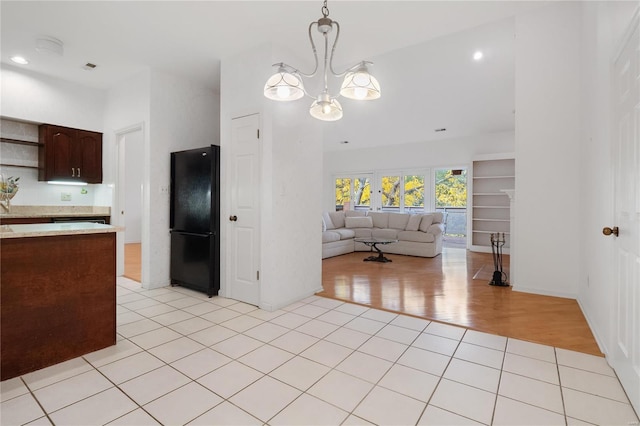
[599,340]
[274,307]
[544,292]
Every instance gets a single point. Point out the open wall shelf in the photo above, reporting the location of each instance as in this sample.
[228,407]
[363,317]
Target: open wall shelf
[490,207]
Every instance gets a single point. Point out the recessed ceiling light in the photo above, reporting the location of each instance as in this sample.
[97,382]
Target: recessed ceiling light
[477,55]
[19,60]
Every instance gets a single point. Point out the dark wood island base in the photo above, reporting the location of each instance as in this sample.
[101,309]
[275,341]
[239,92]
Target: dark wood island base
[57,299]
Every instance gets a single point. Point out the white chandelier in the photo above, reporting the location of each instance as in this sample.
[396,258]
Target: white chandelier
[286,84]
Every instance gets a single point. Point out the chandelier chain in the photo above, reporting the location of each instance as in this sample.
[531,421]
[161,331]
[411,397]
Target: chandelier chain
[325,9]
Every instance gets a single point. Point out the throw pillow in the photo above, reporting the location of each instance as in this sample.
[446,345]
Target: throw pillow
[380,219]
[414,222]
[358,222]
[327,221]
[337,218]
[438,217]
[398,221]
[425,222]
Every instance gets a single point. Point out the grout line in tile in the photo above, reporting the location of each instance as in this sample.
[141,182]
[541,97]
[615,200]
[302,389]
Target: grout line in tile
[495,400]
[46,413]
[331,369]
[564,408]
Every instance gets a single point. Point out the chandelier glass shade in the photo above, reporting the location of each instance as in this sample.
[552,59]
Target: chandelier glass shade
[325,108]
[360,85]
[286,84]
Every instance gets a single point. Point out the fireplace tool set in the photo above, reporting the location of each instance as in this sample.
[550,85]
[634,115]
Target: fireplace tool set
[499,276]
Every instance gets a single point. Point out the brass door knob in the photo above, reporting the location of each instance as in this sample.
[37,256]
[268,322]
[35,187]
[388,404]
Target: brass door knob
[233,218]
[608,231]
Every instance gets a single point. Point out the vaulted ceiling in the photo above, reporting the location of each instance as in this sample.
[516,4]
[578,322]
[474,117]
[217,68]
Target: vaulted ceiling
[421,49]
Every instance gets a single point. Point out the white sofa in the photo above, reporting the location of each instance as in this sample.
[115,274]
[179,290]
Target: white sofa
[417,234]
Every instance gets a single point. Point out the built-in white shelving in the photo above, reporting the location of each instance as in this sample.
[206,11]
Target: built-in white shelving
[490,206]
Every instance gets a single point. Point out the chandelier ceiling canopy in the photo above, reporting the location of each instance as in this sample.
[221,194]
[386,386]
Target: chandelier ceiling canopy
[286,84]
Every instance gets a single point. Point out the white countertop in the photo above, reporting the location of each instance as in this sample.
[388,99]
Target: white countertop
[49,229]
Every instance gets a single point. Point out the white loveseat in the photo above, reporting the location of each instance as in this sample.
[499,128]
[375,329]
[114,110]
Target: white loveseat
[417,234]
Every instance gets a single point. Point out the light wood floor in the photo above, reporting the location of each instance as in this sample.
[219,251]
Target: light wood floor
[132,263]
[444,289]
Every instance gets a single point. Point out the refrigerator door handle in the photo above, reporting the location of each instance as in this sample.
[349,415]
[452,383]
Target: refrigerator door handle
[193,234]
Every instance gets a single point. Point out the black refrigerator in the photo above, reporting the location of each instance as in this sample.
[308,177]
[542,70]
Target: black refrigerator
[195,219]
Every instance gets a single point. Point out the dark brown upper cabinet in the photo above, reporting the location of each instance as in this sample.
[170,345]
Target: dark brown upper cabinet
[69,154]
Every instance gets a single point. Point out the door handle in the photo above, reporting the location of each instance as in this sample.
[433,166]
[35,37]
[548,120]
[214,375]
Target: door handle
[233,218]
[73,172]
[608,231]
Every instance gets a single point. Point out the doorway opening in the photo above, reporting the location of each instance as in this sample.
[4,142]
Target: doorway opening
[129,212]
[450,190]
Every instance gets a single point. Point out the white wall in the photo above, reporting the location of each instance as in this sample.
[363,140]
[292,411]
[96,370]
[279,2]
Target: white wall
[430,154]
[134,174]
[183,115]
[291,178]
[295,268]
[175,114]
[547,146]
[127,106]
[36,99]
[603,24]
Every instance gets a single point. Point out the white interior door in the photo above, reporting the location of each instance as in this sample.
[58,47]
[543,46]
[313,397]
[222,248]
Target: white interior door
[625,356]
[244,219]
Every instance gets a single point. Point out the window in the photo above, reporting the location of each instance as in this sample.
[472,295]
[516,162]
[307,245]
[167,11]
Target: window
[362,193]
[390,193]
[343,193]
[451,199]
[353,192]
[394,191]
[414,193]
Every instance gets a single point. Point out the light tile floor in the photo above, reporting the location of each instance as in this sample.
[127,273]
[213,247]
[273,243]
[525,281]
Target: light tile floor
[182,358]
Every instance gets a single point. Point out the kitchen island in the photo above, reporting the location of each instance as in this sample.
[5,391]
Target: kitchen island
[57,293]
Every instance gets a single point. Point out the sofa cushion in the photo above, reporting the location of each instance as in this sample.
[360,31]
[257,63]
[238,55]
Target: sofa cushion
[330,236]
[363,232]
[437,217]
[345,234]
[414,222]
[327,221]
[416,236]
[425,222]
[355,213]
[337,218]
[358,222]
[380,220]
[384,233]
[398,221]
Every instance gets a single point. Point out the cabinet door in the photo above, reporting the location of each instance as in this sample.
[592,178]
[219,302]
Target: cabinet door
[59,148]
[89,165]
[70,154]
